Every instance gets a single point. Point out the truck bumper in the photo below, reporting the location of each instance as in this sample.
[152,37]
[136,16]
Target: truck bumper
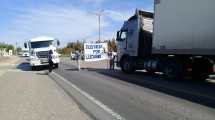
[38,63]
[41,63]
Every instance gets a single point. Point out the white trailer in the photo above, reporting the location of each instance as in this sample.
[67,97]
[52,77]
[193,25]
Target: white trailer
[177,39]
[184,27]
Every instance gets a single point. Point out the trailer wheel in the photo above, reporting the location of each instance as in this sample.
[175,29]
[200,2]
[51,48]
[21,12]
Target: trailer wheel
[127,65]
[201,69]
[173,70]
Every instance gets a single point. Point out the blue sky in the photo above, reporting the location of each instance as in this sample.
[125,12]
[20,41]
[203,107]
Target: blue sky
[67,20]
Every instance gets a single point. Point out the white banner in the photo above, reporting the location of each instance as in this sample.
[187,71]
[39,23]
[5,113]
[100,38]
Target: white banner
[95,51]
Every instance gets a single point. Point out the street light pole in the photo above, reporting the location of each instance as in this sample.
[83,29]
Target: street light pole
[99,14]
[99,27]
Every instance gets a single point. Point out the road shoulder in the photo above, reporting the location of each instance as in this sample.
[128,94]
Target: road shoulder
[92,106]
[34,96]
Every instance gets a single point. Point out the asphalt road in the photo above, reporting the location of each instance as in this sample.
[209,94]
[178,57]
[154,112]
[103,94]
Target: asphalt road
[144,97]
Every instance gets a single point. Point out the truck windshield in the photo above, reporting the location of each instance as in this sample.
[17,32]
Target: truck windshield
[41,44]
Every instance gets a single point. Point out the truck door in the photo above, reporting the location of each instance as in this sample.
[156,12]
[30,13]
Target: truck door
[122,39]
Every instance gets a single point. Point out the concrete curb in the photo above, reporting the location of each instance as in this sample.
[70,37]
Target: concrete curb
[89,104]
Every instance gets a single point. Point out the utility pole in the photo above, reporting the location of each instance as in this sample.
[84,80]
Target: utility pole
[99,27]
[99,14]
[16,48]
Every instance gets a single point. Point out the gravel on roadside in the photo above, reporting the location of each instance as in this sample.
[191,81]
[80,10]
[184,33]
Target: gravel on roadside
[8,60]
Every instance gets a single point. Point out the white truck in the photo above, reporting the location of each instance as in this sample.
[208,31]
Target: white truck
[39,49]
[178,39]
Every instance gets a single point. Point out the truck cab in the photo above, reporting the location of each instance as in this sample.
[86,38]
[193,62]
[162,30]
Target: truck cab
[134,40]
[39,50]
[164,41]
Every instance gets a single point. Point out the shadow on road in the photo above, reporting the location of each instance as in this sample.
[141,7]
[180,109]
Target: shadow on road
[44,73]
[198,92]
[72,69]
[24,66]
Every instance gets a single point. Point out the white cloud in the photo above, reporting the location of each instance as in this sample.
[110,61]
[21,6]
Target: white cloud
[118,15]
[95,2]
[64,23]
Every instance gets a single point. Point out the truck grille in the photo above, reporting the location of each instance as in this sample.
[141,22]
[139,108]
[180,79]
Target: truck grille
[42,54]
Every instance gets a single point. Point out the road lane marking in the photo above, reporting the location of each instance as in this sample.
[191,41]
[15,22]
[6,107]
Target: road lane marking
[115,115]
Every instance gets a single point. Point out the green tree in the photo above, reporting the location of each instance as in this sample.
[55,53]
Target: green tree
[72,47]
[112,45]
[7,47]
[10,47]
[19,49]
[76,46]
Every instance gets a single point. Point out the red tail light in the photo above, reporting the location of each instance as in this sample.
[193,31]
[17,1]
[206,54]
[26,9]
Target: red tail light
[189,68]
[212,70]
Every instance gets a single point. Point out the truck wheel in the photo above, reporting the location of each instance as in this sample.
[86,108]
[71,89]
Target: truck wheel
[33,67]
[56,65]
[173,70]
[201,69]
[198,76]
[127,65]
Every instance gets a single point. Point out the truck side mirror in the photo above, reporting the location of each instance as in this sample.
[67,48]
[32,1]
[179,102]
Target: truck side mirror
[58,43]
[118,36]
[25,45]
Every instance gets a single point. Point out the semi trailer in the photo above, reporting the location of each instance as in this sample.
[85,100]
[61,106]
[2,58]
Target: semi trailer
[177,39]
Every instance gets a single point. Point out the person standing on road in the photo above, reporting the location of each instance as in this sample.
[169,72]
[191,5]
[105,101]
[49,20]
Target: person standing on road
[50,54]
[78,55]
[112,60]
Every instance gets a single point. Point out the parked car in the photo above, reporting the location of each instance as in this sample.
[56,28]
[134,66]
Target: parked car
[73,56]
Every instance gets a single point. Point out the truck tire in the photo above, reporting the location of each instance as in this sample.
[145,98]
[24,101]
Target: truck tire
[173,69]
[33,68]
[127,65]
[201,69]
[56,65]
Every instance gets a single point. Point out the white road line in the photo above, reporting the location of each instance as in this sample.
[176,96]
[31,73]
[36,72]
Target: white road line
[94,100]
